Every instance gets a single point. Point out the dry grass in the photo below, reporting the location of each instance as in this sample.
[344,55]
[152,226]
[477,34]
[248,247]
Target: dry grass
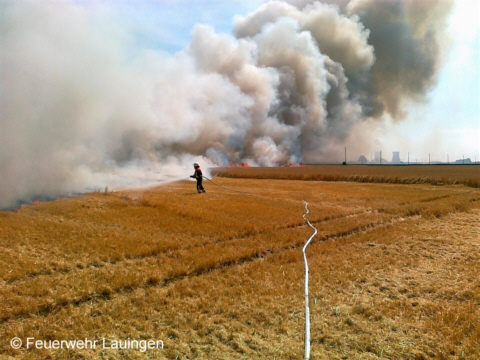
[394,271]
[468,175]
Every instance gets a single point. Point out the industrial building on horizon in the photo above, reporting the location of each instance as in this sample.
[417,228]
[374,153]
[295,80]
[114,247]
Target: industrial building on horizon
[396,158]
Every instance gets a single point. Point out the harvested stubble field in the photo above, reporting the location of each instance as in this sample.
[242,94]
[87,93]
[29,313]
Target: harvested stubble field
[394,271]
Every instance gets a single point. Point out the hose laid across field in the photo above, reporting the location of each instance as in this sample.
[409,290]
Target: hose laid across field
[307,308]
[240,191]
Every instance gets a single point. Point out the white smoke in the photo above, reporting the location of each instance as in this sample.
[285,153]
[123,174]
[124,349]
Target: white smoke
[83,107]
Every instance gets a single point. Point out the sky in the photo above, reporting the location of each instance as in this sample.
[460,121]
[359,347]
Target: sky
[451,119]
[446,127]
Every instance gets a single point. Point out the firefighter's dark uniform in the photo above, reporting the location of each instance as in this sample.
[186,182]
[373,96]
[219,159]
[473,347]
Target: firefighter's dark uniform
[198,175]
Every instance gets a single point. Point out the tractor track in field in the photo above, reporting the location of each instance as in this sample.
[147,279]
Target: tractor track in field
[434,198]
[52,308]
[169,251]
[446,196]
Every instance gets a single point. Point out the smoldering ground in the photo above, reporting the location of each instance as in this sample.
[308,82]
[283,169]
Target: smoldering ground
[83,106]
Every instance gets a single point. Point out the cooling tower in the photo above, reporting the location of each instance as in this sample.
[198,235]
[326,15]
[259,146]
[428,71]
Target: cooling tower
[396,157]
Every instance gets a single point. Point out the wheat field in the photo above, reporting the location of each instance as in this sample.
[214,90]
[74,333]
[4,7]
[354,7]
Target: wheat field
[440,174]
[394,271]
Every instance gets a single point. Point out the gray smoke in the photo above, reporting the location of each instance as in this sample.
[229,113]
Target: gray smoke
[83,107]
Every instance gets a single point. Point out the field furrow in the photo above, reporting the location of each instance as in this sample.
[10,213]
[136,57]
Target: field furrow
[40,295]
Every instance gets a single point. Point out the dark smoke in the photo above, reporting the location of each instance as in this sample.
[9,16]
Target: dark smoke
[390,50]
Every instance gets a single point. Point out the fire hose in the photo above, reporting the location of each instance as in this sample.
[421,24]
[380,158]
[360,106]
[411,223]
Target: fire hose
[307,307]
[223,187]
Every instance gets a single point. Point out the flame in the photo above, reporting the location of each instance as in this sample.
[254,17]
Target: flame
[240,165]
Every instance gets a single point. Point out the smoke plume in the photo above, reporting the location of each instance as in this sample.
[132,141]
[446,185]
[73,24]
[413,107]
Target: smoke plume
[83,107]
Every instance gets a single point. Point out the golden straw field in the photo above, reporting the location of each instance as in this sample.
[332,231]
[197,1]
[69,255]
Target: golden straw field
[468,175]
[394,271]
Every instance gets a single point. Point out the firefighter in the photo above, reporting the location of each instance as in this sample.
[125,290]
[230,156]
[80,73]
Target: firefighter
[198,175]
